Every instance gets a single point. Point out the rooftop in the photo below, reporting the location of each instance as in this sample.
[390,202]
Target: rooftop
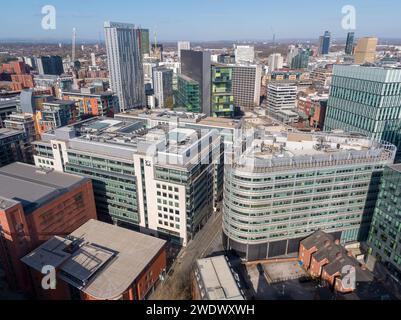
[124,138]
[98,258]
[218,279]
[178,116]
[6,133]
[33,187]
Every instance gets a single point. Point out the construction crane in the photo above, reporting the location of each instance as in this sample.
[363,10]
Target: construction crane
[156,49]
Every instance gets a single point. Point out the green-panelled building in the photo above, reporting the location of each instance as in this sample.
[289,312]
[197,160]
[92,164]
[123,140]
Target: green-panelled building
[187,95]
[385,233]
[222,99]
[366,100]
[145,42]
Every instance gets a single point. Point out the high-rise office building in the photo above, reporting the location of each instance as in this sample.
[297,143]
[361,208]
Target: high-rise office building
[197,66]
[275,62]
[281,96]
[349,46]
[188,95]
[50,65]
[286,186]
[366,100]
[365,50]
[183,45]
[125,64]
[161,180]
[163,87]
[385,237]
[325,43]
[244,54]
[222,100]
[247,82]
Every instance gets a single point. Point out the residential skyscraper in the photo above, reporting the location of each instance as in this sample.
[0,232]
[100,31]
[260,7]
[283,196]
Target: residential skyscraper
[197,66]
[275,62]
[349,46]
[365,50]
[366,100]
[325,43]
[163,87]
[286,186]
[124,59]
[183,45]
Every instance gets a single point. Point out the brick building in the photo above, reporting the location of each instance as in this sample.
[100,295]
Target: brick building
[99,261]
[324,258]
[34,206]
[314,107]
[18,75]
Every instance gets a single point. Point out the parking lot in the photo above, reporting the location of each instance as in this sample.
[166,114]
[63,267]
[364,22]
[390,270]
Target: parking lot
[278,272]
[271,286]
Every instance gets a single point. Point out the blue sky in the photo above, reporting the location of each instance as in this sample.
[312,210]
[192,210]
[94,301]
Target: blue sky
[202,19]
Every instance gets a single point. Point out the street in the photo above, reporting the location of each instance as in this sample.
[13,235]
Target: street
[177,285]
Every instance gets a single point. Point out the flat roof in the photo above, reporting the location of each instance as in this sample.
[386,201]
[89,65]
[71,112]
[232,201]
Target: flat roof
[218,279]
[32,186]
[100,259]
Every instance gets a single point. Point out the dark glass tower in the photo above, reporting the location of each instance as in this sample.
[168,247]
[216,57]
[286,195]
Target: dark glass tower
[349,47]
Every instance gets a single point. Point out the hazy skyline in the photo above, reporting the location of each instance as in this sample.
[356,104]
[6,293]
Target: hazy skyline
[202,20]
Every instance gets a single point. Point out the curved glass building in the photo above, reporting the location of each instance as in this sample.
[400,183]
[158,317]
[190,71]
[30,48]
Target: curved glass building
[285,186]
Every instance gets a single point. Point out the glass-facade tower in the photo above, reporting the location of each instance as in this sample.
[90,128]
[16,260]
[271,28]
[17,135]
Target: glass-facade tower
[366,100]
[385,234]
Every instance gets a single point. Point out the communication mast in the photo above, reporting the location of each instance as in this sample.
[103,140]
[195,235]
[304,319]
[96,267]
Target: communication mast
[74,40]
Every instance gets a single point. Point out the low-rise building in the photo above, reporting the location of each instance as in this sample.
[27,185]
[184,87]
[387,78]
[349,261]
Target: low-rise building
[92,103]
[99,261]
[35,205]
[324,258]
[213,279]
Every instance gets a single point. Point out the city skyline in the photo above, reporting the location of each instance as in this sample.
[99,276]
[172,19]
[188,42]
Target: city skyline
[196,21]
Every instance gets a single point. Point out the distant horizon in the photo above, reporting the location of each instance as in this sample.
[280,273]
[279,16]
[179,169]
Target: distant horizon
[33,41]
[202,20]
